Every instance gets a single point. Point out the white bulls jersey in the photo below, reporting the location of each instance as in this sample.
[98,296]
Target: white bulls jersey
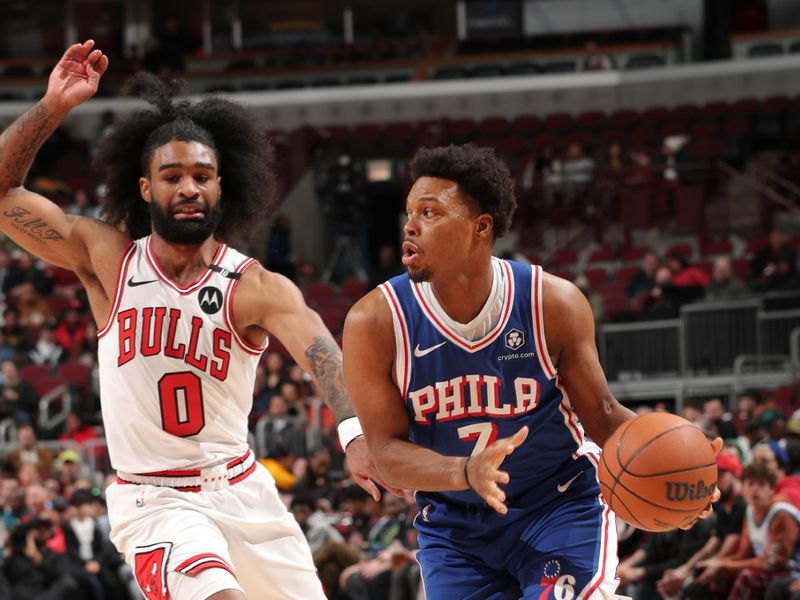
[176,381]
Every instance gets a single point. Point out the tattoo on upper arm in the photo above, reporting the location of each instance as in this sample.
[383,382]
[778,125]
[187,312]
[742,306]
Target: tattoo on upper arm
[23,220]
[326,364]
[31,130]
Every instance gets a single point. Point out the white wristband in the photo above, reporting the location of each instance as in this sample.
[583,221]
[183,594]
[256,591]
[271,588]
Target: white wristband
[349,429]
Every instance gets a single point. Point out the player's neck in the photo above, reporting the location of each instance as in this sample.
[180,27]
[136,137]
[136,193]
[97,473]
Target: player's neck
[464,295]
[183,263]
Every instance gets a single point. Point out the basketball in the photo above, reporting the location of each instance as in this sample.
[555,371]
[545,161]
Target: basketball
[657,472]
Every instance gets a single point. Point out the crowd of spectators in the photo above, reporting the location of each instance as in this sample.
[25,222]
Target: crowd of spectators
[749,547]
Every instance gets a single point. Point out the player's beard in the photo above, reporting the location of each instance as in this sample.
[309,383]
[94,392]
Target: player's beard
[185,232]
[419,276]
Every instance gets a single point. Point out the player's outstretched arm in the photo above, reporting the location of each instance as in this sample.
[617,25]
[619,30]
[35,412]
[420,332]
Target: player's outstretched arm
[273,303]
[368,366]
[30,220]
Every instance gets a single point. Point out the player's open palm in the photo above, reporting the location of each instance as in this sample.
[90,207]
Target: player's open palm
[483,470]
[76,76]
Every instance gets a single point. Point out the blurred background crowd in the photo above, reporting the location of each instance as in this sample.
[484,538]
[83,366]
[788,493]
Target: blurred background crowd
[656,156]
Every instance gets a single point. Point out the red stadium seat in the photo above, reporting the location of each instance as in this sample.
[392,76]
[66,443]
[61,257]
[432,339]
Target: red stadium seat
[526,125]
[494,127]
[76,374]
[719,247]
[745,106]
[604,254]
[655,116]
[634,252]
[319,293]
[352,289]
[596,277]
[681,248]
[741,268]
[625,274]
[44,385]
[623,119]
[558,123]
[561,258]
[591,120]
[614,304]
[31,373]
[685,112]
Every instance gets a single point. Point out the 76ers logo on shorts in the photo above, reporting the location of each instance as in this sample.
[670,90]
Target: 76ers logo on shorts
[210,299]
[514,339]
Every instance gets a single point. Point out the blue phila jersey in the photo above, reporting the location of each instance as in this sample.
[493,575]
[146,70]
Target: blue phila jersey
[462,395]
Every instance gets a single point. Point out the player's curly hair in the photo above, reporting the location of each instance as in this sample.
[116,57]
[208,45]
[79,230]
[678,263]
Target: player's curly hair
[242,148]
[479,175]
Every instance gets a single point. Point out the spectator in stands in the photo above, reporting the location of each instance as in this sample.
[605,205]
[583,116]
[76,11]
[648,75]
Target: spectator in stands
[33,309]
[363,511]
[15,335]
[773,420]
[30,270]
[275,365]
[788,488]
[644,279]
[577,170]
[81,204]
[663,299]
[639,171]
[746,405]
[35,572]
[726,524]
[279,248]
[772,456]
[68,470]
[18,398]
[90,550]
[315,524]
[296,402]
[282,427]
[317,483]
[664,550]
[774,267]
[71,330]
[769,539]
[715,415]
[612,164]
[723,284]
[36,501]
[80,433]
[46,351]
[29,452]
[594,60]
[6,271]
[595,300]
[691,281]
[693,412]
[281,463]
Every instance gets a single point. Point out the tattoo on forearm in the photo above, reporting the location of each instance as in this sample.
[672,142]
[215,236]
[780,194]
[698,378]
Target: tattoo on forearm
[22,220]
[326,364]
[20,142]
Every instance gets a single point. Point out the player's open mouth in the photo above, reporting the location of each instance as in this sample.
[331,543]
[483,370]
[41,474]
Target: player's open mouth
[410,253]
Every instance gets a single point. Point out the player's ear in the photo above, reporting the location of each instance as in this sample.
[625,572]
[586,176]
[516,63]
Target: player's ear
[144,188]
[484,226]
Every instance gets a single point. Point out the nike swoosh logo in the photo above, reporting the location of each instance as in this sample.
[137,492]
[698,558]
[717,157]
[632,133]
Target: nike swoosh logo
[562,487]
[133,283]
[419,353]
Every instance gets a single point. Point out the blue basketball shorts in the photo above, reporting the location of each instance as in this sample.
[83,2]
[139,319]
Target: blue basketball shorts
[564,551]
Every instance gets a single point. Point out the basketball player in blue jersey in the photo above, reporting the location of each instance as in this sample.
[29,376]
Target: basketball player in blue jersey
[182,321]
[474,380]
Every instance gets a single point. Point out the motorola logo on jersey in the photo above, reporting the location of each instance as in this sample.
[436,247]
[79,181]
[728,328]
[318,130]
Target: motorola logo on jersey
[515,339]
[210,299]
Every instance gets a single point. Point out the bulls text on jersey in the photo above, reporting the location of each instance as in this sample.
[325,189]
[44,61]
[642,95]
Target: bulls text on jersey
[472,396]
[158,334]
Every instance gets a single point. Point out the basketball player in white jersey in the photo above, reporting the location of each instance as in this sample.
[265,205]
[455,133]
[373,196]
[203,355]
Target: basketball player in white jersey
[182,320]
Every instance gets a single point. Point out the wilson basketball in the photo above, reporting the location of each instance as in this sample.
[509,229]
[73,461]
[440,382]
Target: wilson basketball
[657,472]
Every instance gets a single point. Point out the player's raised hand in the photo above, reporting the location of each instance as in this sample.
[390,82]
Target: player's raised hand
[363,470]
[76,76]
[483,474]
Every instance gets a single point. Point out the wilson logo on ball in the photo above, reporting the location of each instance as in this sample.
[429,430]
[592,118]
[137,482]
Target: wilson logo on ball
[678,491]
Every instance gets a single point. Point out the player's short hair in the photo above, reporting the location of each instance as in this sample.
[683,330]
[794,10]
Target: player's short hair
[241,145]
[479,174]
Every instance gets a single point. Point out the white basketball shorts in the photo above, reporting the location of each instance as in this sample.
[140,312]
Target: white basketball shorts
[188,545]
